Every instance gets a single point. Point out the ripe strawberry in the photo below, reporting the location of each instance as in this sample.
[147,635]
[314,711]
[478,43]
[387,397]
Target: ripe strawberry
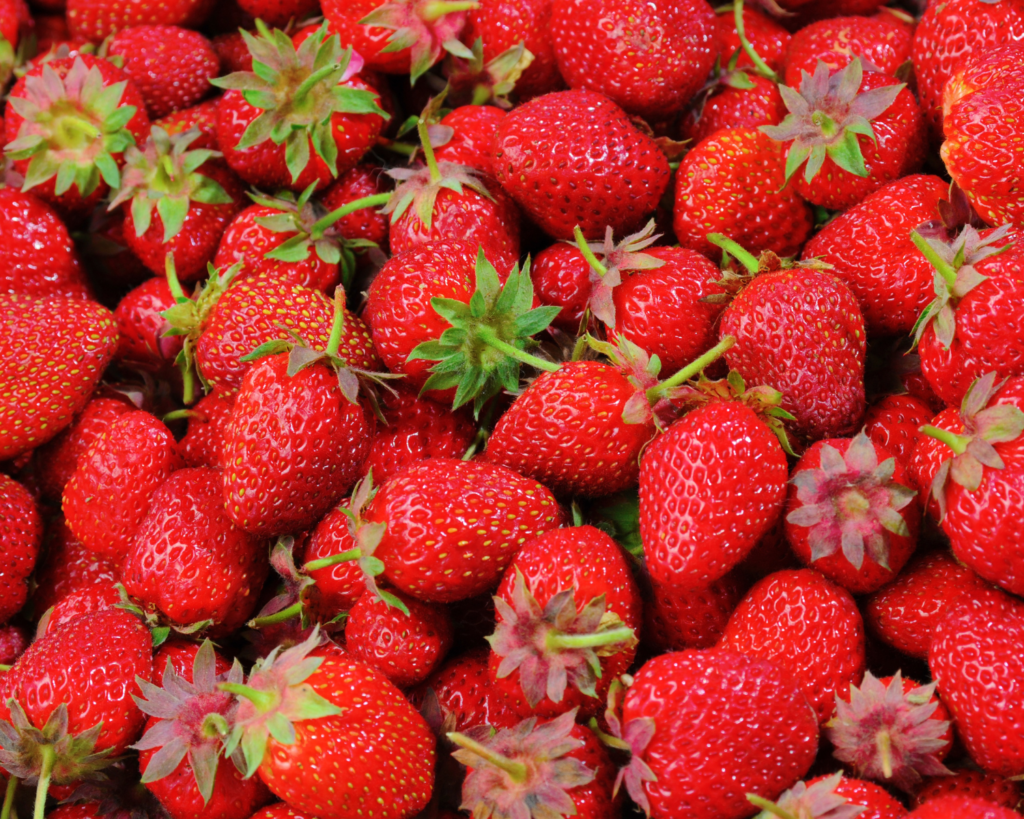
[987,88]
[109,494]
[617,183]
[96,19]
[67,133]
[971,783]
[734,183]
[281,810]
[883,45]
[343,719]
[55,351]
[465,694]
[141,326]
[963,807]
[735,99]
[202,117]
[84,601]
[892,423]
[676,618]
[870,249]
[832,797]
[562,278]
[465,135]
[37,257]
[203,444]
[826,133]
[699,748]
[180,653]
[280,12]
[802,622]
[67,566]
[769,40]
[879,803]
[307,125]
[13,642]
[464,546]
[21,530]
[365,223]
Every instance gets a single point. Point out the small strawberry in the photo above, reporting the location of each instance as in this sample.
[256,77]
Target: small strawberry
[468,134]
[963,807]
[465,694]
[733,99]
[562,278]
[21,530]
[202,117]
[768,40]
[66,566]
[13,642]
[831,797]
[892,423]
[364,223]
[141,326]
[97,19]
[203,444]
[837,41]
[971,783]
[676,618]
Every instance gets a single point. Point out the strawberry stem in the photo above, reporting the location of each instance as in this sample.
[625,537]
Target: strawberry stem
[310,81]
[744,257]
[333,560]
[517,770]
[439,8]
[263,700]
[172,279]
[884,743]
[428,150]
[178,415]
[12,789]
[588,254]
[555,640]
[771,807]
[958,443]
[338,327]
[662,390]
[49,756]
[294,610]
[488,336]
[945,268]
[320,225]
[755,58]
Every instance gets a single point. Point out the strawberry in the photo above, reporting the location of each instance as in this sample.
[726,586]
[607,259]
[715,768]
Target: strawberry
[37,257]
[676,618]
[13,642]
[306,124]
[109,494]
[983,632]
[405,648]
[987,88]
[356,185]
[141,326]
[95,598]
[343,719]
[733,182]
[832,797]
[734,99]
[55,351]
[96,19]
[766,37]
[698,747]
[870,249]
[883,45]
[802,622]
[971,783]
[280,12]
[280,810]
[203,444]
[67,133]
[67,566]
[202,117]
[465,694]
[891,730]
[849,513]
[180,653]
[617,182]
[892,423]
[562,278]
[180,749]
[188,564]
[852,131]
[658,74]
[22,530]
[879,803]
[962,807]
[468,132]
[170,65]
[464,546]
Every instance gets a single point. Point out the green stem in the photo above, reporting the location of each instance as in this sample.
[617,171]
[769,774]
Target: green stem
[607,739]
[428,150]
[588,254]
[294,610]
[744,257]
[755,58]
[5,668]
[396,147]
[945,268]
[661,390]
[178,415]
[958,443]
[517,770]
[172,279]
[487,335]
[49,756]
[333,560]
[439,8]
[771,807]
[188,384]
[263,700]
[338,327]
[12,789]
[321,225]
[555,640]
[313,79]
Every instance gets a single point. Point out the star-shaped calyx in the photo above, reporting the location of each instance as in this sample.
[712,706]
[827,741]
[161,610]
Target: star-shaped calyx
[953,215]
[826,116]
[973,448]
[803,801]
[487,83]
[631,740]
[888,732]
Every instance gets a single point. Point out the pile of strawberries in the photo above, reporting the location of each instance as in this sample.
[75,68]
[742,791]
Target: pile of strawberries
[522,409]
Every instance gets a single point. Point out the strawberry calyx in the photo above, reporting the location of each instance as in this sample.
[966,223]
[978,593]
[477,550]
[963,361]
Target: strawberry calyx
[630,739]
[159,627]
[524,766]
[851,503]
[72,129]
[299,92]
[973,449]
[556,645]
[955,275]
[491,82]
[803,801]
[118,794]
[193,719]
[826,116]
[954,214]
[887,734]
[749,267]
[165,175]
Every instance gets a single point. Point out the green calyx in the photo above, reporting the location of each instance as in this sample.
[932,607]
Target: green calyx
[299,91]
[165,175]
[492,81]
[480,354]
[73,127]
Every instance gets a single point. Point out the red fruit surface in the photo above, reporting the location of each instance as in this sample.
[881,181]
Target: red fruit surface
[893,423]
[141,326]
[203,444]
[961,806]
[561,277]
[466,692]
[202,117]
[836,41]
[769,39]
[21,530]
[878,802]
[676,618]
[368,223]
[729,107]
[67,566]
[973,784]
[95,19]
[473,129]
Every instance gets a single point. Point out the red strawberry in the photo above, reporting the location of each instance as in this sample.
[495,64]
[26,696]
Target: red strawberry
[832,797]
[768,39]
[202,117]
[837,41]
[55,351]
[676,618]
[617,183]
[366,223]
[109,494]
[281,810]
[805,624]
[96,19]
[141,325]
[465,693]
[84,601]
[735,99]
[203,444]
[21,530]
[462,548]
[67,566]
[562,278]
[465,136]
[734,183]
[971,783]
[963,807]
[280,12]
[13,642]
[892,423]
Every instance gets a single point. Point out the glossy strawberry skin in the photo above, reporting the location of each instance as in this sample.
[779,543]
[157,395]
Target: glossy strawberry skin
[141,327]
[84,601]
[870,250]
[67,566]
[369,223]
[802,622]
[834,41]
[733,182]
[802,332]
[338,587]
[893,423]
[445,540]
[95,19]
[466,692]
[473,128]
[202,117]
[877,801]
[769,39]
[944,806]
[21,529]
[293,447]
[679,618]
[561,278]
[203,444]
[971,783]
[730,107]
[710,488]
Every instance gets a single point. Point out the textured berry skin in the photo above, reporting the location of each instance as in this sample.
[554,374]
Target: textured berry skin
[21,531]
[947,32]
[279,12]
[202,117]
[337,587]
[893,423]
[712,746]
[84,601]
[473,128]
[837,40]
[979,104]
[180,654]
[961,806]
[378,743]
[561,278]
[928,455]
[573,157]
[710,488]
[91,664]
[55,351]
[141,326]
[678,618]
[109,494]
[67,566]
[870,250]
[369,223]
[404,649]
[769,39]
[656,61]
[95,19]
[170,65]
[203,444]
[730,107]
[566,430]
[281,811]
[446,539]
[466,692]
[13,642]
[293,447]
[37,256]
[802,332]
[189,563]
[733,182]
[970,783]
[804,623]
[878,802]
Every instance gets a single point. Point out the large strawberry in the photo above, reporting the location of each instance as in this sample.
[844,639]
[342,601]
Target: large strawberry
[838,40]
[21,530]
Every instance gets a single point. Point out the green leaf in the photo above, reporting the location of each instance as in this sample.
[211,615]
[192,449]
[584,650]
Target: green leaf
[296,154]
[847,154]
[293,250]
[268,348]
[142,214]
[173,211]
